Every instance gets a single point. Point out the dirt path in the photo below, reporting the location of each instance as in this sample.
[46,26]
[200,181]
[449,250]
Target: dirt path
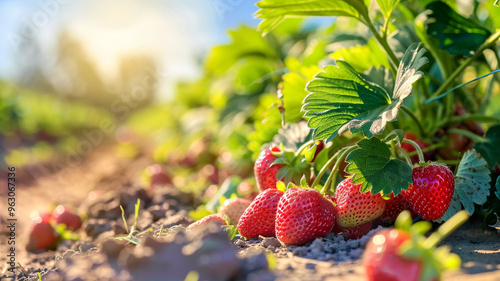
[101,170]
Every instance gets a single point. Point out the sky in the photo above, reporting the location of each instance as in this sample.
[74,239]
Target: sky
[177,32]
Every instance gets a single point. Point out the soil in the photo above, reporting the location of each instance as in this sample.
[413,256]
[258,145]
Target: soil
[102,182]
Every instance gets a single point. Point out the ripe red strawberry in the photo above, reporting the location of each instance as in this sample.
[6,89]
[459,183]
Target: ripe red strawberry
[210,219]
[353,233]
[157,175]
[260,217]
[65,216]
[355,208]
[303,215]
[42,236]
[393,207]
[265,174]
[233,209]
[430,194]
[382,261]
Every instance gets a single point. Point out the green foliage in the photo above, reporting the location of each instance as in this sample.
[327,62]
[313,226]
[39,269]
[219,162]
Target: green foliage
[272,12]
[342,100]
[489,149]
[472,184]
[361,58]
[387,7]
[294,85]
[338,96]
[245,42]
[456,34]
[372,166]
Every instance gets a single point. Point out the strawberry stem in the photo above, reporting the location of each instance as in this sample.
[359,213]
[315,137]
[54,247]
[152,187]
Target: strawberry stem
[427,149]
[303,147]
[417,148]
[446,229]
[470,135]
[405,155]
[327,164]
[335,169]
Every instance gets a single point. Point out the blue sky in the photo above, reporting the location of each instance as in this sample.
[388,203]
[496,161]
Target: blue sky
[177,31]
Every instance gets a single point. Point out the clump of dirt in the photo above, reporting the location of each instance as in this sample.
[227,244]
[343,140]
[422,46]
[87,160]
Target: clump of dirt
[206,253]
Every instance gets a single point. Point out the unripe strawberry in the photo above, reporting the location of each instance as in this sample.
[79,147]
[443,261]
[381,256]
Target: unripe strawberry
[210,219]
[233,209]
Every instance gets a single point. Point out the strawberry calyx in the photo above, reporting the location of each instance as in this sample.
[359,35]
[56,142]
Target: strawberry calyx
[295,164]
[420,248]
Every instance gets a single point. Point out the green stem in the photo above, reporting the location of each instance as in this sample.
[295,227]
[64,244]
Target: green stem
[475,117]
[385,46]
[470,135]
[487,44]
[446,229]
[417,148]
[405,155]
[325,167]
[429,148]
[303,147]
[336,167]
[415,119]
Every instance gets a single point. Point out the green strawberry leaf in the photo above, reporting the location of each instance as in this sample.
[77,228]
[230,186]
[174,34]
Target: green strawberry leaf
[273,12]
[398,135]
[456,34]
[472,184]
[342,100]
[387,7]
[380,76]
[489,150]
[372,167]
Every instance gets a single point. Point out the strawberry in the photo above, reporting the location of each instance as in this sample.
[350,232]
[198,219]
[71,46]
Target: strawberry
[233,209]
[265,174]
[210,219]
[65,216]
[356,232]
[393,207]
[157,175]
[260,217]
[430,194]
[42,236]
[303,215]
[355,208]
[382,261]
[395,255]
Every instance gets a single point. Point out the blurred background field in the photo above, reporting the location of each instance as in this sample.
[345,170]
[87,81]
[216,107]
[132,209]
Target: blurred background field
[192,84]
